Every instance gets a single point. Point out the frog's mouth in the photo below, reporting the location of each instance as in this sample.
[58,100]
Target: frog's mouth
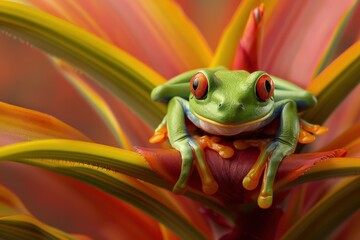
[237,125]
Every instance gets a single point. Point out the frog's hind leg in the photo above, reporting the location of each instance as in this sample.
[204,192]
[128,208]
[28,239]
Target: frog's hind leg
[160,135]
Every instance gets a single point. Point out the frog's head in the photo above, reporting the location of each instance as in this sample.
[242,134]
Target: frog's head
[231,97]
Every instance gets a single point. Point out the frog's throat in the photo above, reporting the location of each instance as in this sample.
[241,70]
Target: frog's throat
[224,125]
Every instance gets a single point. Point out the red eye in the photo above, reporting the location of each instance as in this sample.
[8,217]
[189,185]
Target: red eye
[199,85]
[264,88]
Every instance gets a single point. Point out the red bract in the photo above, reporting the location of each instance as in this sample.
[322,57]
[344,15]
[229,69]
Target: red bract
[230,172]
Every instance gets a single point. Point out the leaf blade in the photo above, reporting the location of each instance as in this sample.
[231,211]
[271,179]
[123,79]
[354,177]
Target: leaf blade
[101,165]
[119,186]
[98,103]
[333,84]
[226,49]
[345,200]
[125,76]
[27,227]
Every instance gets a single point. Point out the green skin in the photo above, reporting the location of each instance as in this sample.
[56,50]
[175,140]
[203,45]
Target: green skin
[231,103]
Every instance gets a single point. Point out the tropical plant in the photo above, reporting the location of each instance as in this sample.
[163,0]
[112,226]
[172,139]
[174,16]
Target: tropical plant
[102,178]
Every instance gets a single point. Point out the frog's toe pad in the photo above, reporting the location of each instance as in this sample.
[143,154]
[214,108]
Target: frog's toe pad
[265,201]
[210,188]
[158,137]
[321,130]
[305,137]
[307,133]
[250,183]
[241,144]
[313,128]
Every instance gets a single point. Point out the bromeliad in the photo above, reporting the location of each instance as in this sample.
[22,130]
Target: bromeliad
[175,44]
[235,104]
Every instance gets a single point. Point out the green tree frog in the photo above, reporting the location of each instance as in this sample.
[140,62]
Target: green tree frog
[229,103]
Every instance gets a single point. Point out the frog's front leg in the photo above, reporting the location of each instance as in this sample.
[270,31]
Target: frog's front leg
[274,152]
[188,147]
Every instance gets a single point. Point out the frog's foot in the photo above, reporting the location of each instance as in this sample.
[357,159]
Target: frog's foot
[187,148]
[213,143]
[159,136]
[268,162]
[251,180]
[308,131]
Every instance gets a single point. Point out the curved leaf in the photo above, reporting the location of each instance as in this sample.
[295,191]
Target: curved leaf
[17,223]
[226,49]
[30,125]
[123,161]
[333,84]
[118,186]
[295,37]
[333,167]
[328,213]
[28,228]
[347,137]
[125,76]
[19,124]
[176,44]
[339,42]
[98,103]
[100,166]
[10,204]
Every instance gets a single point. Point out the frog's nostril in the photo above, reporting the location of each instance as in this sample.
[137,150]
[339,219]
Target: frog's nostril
[220,105]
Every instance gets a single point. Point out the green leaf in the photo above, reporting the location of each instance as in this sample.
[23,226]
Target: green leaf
[28,228]
[122,74]
[328,213]
[333,84]
[112,183]
[16,222]
[339,41]
[100,165]
[331,168]
[98,103]
[92,154]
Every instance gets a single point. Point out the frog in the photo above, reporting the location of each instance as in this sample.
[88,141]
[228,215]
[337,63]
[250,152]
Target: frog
[229,103]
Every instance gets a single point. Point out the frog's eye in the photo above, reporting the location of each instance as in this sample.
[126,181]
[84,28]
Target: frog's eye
[199,85]
[264,88]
